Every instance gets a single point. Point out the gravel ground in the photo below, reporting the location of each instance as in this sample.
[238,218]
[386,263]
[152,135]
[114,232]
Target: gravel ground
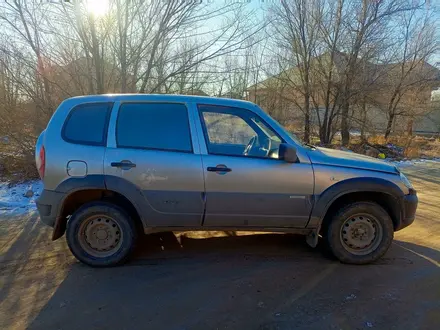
[225,280]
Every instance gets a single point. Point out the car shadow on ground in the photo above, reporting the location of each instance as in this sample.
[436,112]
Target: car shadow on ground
[198,246]
[180,281]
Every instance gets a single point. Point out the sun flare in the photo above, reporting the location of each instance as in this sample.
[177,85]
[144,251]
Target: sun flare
[97,8]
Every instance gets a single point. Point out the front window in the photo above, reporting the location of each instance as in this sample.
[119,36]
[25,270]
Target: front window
[294,138]
[269,132]
[226,128]
[291,135]
[238,132]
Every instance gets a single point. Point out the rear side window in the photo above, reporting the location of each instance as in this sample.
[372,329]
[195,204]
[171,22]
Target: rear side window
[87,124]
[161,126]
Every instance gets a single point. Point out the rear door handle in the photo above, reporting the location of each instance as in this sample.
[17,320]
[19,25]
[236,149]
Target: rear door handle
[123,164]
[219,168]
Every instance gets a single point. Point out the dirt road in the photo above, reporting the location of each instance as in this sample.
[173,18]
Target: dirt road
[225,281]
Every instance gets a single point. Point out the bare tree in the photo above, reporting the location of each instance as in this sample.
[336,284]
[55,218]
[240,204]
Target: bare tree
[326,97]
[20,18]
[371,20]
[64,49]
[409,80]
[296,26]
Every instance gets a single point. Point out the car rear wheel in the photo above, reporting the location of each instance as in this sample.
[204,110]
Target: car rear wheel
[101,234]
[360,233]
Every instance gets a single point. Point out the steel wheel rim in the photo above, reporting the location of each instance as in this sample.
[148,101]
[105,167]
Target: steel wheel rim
[361,234]
[100,236]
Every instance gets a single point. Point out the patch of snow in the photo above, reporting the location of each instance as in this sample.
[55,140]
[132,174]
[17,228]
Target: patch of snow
[350,297]
[13,198]
[404,163]
[353,132]
[414,162]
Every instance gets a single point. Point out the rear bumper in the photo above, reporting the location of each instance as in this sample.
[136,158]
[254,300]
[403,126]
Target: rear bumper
[409,210]
[48,206]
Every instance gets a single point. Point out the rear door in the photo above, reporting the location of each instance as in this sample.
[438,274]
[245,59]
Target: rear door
[246,184]
[151,147]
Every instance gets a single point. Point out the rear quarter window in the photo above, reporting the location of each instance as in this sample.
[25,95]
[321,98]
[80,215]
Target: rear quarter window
[87,124]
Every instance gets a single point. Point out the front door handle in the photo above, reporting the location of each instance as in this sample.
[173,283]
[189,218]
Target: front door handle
[219,168]
[123,164]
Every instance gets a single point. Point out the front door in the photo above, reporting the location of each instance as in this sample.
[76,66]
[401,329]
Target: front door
[153,151]
[246,184]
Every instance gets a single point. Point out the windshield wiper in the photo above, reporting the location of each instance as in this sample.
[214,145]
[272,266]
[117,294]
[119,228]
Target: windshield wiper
[310,145]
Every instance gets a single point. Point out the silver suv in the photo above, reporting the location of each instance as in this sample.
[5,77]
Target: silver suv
[116,165]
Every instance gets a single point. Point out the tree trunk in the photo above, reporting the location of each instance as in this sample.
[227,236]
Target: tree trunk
[409,128]
[322,134]
[307,127]
[345,134]
[363,120]
[323,128]
[389,125]
[96,58]
[307,115]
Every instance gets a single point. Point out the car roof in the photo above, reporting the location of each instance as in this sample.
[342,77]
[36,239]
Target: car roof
[160,97]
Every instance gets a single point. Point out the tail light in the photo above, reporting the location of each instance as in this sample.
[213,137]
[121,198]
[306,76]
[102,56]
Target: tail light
[41,162]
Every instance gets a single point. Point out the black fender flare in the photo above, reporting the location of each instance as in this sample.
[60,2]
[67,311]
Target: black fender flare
[74,184]
[134,195]
[339,189]
[105,182]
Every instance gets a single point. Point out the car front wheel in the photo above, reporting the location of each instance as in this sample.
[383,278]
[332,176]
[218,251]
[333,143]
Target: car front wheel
[101,234]
[360,233]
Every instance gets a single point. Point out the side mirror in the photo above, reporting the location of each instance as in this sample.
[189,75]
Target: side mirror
[287,153]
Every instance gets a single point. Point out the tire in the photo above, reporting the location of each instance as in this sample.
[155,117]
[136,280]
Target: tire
[362,219]
[97,220]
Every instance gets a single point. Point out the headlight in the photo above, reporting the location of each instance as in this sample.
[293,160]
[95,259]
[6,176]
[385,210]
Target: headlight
[405,181]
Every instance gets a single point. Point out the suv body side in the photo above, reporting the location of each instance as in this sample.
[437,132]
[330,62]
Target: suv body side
[170,188]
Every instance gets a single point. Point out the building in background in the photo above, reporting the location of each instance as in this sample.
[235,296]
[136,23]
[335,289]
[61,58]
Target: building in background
[375,89]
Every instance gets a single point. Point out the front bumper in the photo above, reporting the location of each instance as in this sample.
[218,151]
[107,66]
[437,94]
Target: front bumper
[409,210]
[48,205]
